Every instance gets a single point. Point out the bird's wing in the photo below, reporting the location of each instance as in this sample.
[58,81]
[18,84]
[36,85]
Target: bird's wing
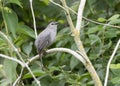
[43,42]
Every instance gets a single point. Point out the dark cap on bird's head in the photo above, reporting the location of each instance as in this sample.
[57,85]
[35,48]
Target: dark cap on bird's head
[53,24]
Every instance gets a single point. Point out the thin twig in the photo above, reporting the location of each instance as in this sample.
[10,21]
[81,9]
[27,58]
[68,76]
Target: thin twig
[38,82]
[19,77]
[109,62]
[57,4]
[109,25]
[34,22]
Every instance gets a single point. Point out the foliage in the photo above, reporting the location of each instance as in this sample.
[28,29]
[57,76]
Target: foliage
[60,69]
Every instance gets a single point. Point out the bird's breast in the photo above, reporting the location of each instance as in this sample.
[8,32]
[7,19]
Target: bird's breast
[52,36]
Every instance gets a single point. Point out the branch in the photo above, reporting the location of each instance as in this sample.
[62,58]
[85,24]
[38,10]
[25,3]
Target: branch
[27,63]
[79,16]
[38,82]
[76,35]
[32,59]
[75,54]
[13,59]
[57,4]
[109,62]
[68,17]
[23,66]
[34,22]
[16,50]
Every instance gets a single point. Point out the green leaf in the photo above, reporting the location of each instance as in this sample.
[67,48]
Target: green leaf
[94,29]
[116,21]
[75,6]
[101,19]
[23,29]
[90,3]
[21,39]
[115,66]
[46,1]
[1,66]
[107,45]
[94,39]
[96,49]
[10,70]
[27,47]
[74,62]
[85,75]
[4,82]
[35,72]
[111,33]
[53,68]
[3,44]
[17,2]
[116,80]
[57,83]
[11,20]
[116,16]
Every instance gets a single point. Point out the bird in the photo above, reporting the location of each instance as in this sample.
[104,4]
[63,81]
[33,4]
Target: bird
[46,37]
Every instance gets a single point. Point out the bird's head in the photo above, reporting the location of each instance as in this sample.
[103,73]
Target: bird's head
[53,25]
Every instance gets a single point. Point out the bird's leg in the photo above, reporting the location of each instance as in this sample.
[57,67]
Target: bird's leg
[40,56]
[44,52]
[41,62]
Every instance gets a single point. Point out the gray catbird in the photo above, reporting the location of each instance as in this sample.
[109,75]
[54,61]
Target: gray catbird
[46,37]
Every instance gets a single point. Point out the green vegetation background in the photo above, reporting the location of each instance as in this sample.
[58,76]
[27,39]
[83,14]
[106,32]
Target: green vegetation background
[60,69]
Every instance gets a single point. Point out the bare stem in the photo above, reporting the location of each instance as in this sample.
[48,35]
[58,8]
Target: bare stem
[34,22]
[68,16]
[12,58]
[76,35]
[79,16]
[75,54]
[109,62]
[19,77]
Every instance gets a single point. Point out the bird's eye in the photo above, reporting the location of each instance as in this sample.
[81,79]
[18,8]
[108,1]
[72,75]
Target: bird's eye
[52,24]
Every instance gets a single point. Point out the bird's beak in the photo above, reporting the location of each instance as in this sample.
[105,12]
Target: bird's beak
[56,23]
